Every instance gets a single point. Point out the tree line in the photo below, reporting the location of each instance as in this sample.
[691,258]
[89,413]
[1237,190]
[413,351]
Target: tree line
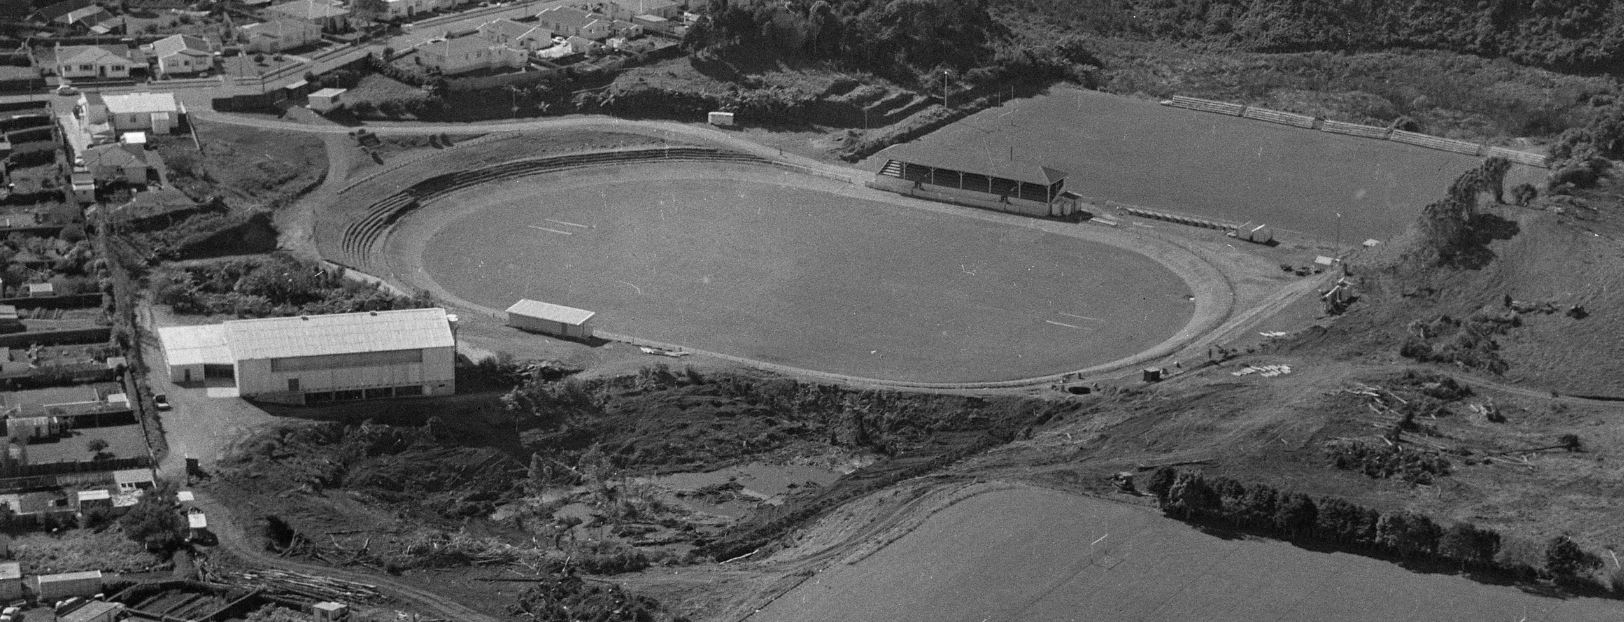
[912,41]
[1193,496]
[1559,34]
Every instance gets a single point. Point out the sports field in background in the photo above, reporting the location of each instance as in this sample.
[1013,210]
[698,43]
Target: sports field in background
[1210,165]
[739,265]
[1034,554]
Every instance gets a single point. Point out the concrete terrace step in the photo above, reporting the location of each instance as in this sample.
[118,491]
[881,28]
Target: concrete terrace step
[360,238]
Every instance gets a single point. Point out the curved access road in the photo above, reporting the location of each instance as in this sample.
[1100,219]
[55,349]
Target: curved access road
[238,543]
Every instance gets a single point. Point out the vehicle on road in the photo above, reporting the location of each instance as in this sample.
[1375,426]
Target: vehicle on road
[162,401]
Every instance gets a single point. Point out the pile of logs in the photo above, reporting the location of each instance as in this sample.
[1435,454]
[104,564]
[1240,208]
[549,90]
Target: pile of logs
[306,587]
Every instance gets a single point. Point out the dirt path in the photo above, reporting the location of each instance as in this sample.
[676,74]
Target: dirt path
[296,223]
[234,540]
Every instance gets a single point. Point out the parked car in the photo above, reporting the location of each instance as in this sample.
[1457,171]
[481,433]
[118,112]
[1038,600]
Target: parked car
[161,400]
[66,89]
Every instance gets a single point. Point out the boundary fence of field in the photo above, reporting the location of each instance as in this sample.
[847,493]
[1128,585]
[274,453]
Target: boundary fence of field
[1173,218]
[1354,129]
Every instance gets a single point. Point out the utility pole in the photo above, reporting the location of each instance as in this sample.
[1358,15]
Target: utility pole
[944,88]
[1338,244]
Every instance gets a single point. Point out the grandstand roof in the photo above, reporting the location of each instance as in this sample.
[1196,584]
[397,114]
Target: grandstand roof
[980,163]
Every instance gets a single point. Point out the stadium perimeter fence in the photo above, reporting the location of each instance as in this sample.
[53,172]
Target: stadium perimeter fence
[1354,129]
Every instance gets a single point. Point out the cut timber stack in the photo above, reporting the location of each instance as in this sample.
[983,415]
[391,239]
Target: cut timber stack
[1207,105]
[1283,118]
[1354,129]
[1434,142]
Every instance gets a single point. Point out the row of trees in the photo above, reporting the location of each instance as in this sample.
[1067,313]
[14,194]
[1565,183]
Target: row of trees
[1192,496]
[1565,34]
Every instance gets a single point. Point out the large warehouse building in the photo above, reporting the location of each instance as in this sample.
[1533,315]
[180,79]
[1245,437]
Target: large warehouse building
[320,358]
[1003,184]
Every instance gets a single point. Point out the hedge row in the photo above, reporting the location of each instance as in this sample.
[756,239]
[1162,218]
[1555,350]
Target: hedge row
[1192,496]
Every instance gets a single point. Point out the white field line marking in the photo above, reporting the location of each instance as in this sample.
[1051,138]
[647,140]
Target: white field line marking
[1063,324]
[1080,317]
[1101,539]
[639,289]
[567,224]
[550,230]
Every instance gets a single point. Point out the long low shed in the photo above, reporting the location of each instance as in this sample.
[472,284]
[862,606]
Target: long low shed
[546,317]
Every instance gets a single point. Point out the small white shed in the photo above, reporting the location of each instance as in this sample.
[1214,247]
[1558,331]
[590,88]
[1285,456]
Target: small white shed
[545,317]
[326,99]
[721,119]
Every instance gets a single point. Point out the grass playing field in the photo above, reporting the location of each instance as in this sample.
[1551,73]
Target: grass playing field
[742,260]
[1202,164]
[1033,554]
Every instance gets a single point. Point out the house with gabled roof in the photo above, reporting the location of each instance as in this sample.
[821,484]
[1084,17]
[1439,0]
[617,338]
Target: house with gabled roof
[329,15]
[280,35]
[466,53]
[94,61]
[181,54]
[515,34]
[55,13]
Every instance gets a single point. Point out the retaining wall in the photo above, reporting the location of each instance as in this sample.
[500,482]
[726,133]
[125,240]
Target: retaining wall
[1433,142]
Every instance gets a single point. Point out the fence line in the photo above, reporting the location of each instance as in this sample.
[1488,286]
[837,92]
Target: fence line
[1283,118]
[1354,129]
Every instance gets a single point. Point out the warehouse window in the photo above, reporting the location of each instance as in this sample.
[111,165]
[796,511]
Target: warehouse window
[409,390]
[341,361]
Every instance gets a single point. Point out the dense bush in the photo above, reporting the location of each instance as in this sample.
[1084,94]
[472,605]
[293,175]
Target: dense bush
[277,285]
[568,598]
[1576,34]
[911,41]
[1413,466]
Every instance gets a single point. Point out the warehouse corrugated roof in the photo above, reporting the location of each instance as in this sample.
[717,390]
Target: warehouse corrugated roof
[195,345]
[340,333]
[973,162]
[551,312]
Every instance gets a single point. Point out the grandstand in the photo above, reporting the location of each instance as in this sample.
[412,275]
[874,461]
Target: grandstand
[1008,185]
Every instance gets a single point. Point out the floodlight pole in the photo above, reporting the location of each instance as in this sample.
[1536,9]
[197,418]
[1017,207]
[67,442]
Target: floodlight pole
[1338,243]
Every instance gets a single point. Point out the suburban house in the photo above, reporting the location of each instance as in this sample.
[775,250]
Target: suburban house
[320,358]
[280,35]
[54,13]
[117,162]
[86,18]
[515,34]
[330,16]
[136,112]
[94,61]
[398,9]
[181,55]
[466,53]
[581,45]
[628,9]
[567,21]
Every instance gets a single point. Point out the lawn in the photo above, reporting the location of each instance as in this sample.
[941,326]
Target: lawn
[736,260]
[1034,554]
[377,89]
[80,549]
[1202,164]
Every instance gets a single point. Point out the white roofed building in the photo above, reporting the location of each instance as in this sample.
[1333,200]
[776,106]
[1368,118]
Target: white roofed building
[546,317]
[134,112]
[321,358]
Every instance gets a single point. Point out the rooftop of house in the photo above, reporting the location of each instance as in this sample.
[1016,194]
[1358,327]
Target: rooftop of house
[507,27]
[119,155]
[181,44]
[137,103]
[53,11]
[90,54]
[310,9]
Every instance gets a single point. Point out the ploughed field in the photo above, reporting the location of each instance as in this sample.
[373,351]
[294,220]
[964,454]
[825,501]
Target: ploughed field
[756,262]
[1210,165]
[1035,554]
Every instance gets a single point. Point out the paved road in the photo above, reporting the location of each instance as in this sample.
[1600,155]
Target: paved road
[240,544]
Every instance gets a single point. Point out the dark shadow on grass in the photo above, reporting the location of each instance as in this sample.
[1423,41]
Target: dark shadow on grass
[1482,230]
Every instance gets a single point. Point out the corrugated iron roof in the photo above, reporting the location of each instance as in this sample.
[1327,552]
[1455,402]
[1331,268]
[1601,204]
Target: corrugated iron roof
[341,333]
[195,345]
[549,311]
[973,162]
[135,103]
